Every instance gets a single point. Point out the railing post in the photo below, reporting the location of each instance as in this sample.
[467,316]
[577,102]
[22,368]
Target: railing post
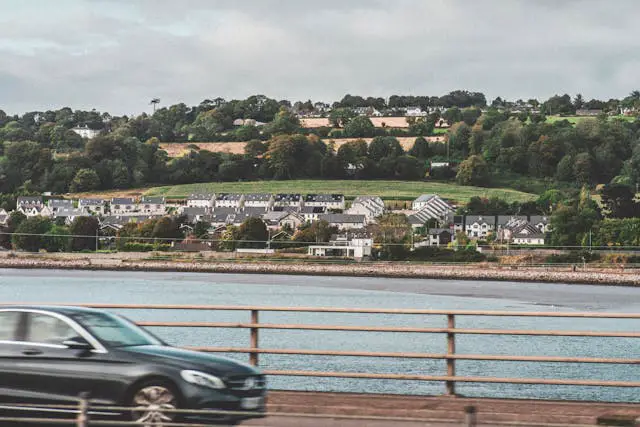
[253,356]
[83,410]
[451,350]
[470,419]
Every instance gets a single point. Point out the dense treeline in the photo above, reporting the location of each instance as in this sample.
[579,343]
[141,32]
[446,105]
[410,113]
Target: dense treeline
[486,145]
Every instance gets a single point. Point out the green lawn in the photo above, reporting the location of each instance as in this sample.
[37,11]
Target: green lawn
[390,190]
[440,131]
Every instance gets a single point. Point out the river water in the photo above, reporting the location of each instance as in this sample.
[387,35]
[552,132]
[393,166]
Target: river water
[58,286]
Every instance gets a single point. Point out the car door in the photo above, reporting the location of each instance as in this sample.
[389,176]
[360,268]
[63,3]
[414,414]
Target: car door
[12,323]
[53,373]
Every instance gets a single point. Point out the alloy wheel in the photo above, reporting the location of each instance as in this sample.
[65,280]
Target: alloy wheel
[150,404]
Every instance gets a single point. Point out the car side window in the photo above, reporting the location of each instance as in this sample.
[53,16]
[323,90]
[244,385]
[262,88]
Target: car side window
[9,321]
[46,329]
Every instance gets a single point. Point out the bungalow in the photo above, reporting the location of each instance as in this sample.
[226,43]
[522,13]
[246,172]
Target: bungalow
[258,200]
[287,200]
[344,221]
[369,206]
[312,213]
[440,236]
[201,200]
[97,206]
[528,235]
[328,201]
[57,204]
[116,222]
[123,206]
[345,245]
[479,227]
[152,205]
[226,200]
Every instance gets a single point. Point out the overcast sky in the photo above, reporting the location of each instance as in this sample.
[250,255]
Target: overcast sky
[116,55]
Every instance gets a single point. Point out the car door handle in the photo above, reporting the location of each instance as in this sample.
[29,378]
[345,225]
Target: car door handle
[31,352]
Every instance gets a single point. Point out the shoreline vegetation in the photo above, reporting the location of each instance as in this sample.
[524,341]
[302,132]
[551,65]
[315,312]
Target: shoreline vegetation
[617,276]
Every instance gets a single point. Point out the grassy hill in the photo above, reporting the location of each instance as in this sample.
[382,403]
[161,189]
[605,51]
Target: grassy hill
[390,190]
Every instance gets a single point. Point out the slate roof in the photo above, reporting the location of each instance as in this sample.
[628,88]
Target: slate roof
[152,200]
[342,218]
[123,201]
[324,198]
[201,196]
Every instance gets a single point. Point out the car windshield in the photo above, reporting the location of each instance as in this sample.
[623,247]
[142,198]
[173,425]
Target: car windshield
[115,331]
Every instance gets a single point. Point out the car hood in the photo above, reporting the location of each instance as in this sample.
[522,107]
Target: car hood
[187,359]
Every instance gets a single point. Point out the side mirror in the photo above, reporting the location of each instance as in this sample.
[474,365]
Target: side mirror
[77,343]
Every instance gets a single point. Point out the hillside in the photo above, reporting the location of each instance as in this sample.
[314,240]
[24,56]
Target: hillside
[390,190]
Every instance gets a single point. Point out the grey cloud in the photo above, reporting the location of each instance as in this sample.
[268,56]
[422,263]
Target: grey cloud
[116,55]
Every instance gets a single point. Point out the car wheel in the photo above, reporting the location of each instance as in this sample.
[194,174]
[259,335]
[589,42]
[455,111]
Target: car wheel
[149,402]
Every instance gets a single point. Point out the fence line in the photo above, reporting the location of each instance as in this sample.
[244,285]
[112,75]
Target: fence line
[450,332]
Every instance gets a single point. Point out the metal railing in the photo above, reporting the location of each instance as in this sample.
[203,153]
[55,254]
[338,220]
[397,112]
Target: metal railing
[450,332]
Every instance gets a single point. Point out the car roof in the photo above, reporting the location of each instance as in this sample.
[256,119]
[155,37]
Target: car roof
[66,310]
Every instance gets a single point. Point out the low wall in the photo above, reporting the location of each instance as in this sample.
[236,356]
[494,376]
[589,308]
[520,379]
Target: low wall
[141,262]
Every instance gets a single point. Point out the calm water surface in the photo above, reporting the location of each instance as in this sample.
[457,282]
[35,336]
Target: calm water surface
[57,286]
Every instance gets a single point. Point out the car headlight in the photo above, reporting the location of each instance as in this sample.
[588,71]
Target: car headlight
[202,379]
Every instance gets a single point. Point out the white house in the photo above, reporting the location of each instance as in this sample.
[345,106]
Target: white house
[258,200]
[24,202]
[123,206]
[201,200]
[152,205]
[346,246]
[369,206]
[226,200]
[479,227]
[85,132]
[328,201]
[415,112]
[287,200]
[344,221]
[4,217]
[97,206]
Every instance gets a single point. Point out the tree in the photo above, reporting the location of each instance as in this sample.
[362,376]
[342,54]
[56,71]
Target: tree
[57,239]
[473,171]
[166,229]
[254,148]
[285,122]
[201,229]
[582,168]
[421,149]
[393,232]
[252,233]
[30,233]
[86,226]
[85,180]
[317,231]
[14,220]
[618,201]
[384,146]
[359,127]
[340,117]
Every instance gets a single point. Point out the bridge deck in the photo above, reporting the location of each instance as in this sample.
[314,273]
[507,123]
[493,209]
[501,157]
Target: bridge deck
[449,408]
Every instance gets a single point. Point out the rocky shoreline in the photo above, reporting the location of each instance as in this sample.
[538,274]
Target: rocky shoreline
[594,276]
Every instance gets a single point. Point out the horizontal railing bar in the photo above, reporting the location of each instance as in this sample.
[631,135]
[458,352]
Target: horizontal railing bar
[352,310]
[435,356]
[466,331]
[443,378]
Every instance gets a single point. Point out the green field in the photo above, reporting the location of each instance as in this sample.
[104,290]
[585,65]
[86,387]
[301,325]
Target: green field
[440,131]
[390,190]
[576,119]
